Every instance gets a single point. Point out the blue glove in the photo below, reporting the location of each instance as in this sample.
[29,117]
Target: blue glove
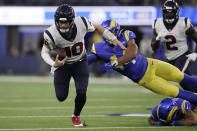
[107,66]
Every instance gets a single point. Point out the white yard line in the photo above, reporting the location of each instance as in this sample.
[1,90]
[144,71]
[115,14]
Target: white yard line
[85,128]
[70,107]
[49,79]
[122,115]
[14,100]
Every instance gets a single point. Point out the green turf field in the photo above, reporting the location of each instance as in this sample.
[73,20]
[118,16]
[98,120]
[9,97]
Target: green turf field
[29,104]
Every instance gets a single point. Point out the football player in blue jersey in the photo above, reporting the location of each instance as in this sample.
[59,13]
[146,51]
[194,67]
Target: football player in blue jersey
[173,112]
[147,72]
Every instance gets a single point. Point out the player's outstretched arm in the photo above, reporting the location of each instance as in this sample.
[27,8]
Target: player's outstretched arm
[189,120]
[130,54]
[108,35]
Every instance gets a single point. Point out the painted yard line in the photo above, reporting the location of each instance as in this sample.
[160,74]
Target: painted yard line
[122,115]
[70,107]
[49,79]
[6,117]
[87,128]
[54,100]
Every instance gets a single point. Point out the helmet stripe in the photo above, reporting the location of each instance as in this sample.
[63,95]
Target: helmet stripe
[172,113]
[158,111]
[112,24]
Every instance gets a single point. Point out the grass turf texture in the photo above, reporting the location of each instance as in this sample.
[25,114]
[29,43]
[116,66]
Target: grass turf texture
[33,106]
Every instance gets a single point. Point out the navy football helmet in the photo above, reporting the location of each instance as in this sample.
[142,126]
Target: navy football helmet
[112,26]
[170,11]
[167,110]
[64,13]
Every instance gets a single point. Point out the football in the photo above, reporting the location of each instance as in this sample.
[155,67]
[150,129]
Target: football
[58,51]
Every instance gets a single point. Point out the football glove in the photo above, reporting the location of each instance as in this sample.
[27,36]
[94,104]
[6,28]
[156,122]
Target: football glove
[192,56]
[107,66]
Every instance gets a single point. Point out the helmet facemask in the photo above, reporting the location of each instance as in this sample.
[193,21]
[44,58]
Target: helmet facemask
[64,21]
[170,11]
[170,15]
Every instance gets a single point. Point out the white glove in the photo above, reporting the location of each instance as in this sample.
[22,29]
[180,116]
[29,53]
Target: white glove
[52,70]
[192,56]
[161,37]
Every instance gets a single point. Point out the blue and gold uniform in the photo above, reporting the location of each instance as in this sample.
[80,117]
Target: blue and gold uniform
[144,71]
[150,73]
[171,110]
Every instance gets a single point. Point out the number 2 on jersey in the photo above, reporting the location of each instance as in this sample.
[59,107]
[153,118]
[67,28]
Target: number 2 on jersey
[170,44]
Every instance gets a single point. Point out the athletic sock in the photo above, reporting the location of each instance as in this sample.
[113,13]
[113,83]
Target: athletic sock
[189,83]
[188,95]
[80,101]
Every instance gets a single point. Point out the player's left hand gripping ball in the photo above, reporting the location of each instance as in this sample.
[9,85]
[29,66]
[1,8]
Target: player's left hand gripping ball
[192,56]
[107,66]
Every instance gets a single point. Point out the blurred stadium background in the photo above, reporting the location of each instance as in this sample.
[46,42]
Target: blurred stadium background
[27,102]
[22,23]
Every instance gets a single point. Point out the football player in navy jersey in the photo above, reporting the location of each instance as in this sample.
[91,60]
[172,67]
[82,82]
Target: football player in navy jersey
[172,31]
[173,112]
[68,33]
[147,72]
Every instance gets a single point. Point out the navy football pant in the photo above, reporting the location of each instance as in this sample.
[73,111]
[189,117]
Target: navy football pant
[80,74]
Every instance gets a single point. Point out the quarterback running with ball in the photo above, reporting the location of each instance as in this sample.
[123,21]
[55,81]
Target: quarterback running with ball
[68,32]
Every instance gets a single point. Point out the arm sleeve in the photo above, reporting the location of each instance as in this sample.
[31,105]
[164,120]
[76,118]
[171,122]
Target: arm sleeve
[46,57]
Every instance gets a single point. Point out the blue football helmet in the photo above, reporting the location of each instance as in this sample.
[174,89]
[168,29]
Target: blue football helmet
[167,110]
[170,11]
[112,26]
[64,13]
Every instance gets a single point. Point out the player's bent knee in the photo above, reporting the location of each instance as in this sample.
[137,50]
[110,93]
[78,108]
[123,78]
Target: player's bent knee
[61,98]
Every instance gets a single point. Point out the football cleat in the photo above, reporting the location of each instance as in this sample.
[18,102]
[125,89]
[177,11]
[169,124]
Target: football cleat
[76,121]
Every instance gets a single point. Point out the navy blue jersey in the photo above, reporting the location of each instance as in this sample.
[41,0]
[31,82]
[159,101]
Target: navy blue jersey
[134,69]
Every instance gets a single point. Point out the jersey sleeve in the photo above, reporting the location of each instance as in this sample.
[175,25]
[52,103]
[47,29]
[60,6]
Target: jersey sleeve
[48,39]
[88,24]
[129,35]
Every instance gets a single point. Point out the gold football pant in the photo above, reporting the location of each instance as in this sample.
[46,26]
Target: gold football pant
[158,75]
